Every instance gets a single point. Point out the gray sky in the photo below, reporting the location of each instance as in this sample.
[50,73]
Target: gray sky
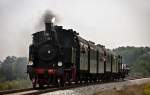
[112,23]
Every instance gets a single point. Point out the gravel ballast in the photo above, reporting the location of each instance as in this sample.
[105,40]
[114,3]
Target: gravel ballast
[97,89]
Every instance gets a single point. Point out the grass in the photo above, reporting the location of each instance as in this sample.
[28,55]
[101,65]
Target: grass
[147,89]
[143,89]
[15,84]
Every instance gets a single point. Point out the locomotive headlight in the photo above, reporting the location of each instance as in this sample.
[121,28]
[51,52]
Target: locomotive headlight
[30,63]
[49,52]
[59,63]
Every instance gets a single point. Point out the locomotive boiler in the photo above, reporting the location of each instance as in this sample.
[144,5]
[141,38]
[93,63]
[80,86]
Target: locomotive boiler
[58,56]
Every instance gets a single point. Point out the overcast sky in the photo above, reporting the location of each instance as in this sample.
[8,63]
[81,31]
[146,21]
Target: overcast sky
[112,23]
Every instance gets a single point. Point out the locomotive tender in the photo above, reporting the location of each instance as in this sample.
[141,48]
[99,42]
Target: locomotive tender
[57,56]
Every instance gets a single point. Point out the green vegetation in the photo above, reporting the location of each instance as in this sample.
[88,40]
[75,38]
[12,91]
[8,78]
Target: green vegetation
[15,84]
[13,73]
[138,59]
[147,89]
[13,68]
[136,89]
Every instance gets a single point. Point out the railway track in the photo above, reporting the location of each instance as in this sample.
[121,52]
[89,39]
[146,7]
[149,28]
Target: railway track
[14,91]
[31,91]
[28,91]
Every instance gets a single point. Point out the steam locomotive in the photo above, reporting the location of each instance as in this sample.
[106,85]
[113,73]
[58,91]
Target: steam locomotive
[58,56]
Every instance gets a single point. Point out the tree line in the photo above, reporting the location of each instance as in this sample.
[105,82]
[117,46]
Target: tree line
[137,58]
[13,68]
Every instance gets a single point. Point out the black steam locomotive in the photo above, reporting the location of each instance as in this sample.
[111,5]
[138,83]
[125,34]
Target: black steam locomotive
[58,56]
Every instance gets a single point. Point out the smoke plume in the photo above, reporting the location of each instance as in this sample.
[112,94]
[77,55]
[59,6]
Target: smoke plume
[47,16]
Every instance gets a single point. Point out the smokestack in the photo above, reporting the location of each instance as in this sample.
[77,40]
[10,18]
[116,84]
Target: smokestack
[49,26]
